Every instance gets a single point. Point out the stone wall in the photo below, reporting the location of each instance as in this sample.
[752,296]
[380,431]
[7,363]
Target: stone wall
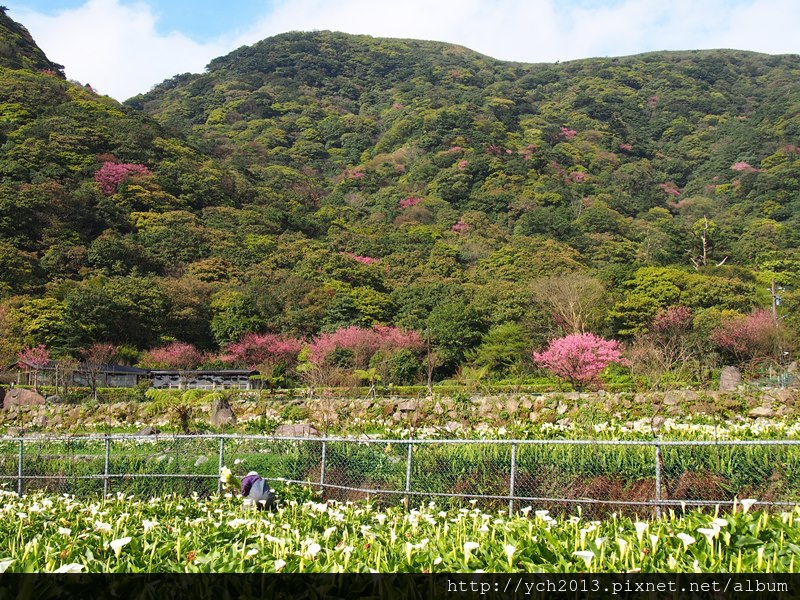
[337,413]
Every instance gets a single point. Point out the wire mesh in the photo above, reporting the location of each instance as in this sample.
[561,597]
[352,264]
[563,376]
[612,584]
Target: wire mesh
[556,475]
[374,470]
[274,458]
[158,465]
[723,472]
[601,478]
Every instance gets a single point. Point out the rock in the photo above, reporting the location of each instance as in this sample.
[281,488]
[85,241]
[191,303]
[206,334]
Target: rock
[56,399]
[760,411]
[527,404]
[13,432]
[200,461]
[565,422]
[408,406]
[40,421]
[147,430]
[22,397]
[783,395]
[438,409]
[296,430]
[729,379]
[671,398]
[691,396]
[562,408]
[222,413]
[452,426]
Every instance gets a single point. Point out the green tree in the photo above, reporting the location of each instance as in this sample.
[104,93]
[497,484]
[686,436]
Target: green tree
[233,315]
[455,328]
[504,349]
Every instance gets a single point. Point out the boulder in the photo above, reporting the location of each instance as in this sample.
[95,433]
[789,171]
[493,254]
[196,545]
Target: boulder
[148,430]
[296,430]
[408,406]
[222,413]
[22,397]
[760,411]
[729,379]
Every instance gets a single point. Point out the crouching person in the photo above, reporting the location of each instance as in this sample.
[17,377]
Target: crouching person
[256,491]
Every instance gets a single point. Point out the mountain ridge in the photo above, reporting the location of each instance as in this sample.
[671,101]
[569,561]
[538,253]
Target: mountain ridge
[18,49]
[318,181]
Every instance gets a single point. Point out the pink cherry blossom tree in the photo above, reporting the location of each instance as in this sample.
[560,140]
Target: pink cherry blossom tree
[94,358]
[177,355]
[409,202]
[363,343]
[750,337]
[579,358]
[256,350]
[364,260]
[111,174]
[568,133]
[33,360]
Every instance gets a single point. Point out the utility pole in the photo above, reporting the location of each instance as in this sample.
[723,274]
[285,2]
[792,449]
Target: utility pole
[774,301]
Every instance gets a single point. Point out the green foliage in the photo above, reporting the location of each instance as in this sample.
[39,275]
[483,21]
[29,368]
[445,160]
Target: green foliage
[403,368]
[504,349]
[321,180]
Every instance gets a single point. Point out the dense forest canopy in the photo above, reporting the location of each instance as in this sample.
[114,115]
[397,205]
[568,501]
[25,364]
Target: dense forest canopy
[318,183]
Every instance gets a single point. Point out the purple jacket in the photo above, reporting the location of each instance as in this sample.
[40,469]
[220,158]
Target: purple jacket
[247,483]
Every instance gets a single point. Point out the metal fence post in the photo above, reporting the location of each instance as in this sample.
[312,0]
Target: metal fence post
[408,477]
[513,478]
[221,463]
[658,478]
[322,467]
[105,467]
[19,467]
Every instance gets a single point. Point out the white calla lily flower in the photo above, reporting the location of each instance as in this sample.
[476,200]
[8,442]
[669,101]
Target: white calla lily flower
[586,555]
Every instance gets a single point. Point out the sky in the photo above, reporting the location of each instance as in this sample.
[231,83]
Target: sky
[125,47]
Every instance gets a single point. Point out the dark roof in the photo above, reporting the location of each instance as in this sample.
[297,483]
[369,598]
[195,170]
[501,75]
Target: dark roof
[195,372]
[127,370]
[83,367]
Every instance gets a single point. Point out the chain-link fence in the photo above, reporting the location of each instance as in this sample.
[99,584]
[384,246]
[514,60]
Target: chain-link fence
[642,477]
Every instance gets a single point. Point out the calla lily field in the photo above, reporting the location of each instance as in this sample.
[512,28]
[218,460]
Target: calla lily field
[47,533]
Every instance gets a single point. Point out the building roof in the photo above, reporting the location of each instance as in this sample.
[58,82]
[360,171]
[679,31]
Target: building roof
[83,367]
[128,370]
[196,372]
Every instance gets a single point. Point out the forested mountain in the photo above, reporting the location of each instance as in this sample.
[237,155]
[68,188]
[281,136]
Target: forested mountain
[316,181]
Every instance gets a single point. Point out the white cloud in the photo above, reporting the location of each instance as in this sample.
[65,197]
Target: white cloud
[550,30]
[117,49]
